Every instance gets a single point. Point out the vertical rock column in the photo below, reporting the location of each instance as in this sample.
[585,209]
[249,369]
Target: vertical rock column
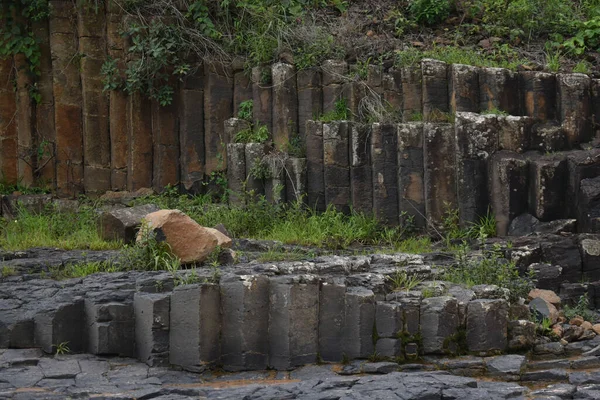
[315,181]
[581,165]
[218,106]
[293,321]
[67,98]
[165,132]
[574,107]
[411,173]
[392,91]
[595,107]
[389,322]
[191,131]
[439,150]
[435,89]
[547,178]
[439,322]
[255,154]
[8,123]
[63,323]
[499,89]
[275,181]
[412,93]
[285,105]
[538,94]
[119,146]
[295,179]
[245,312]
[44,110]
[508,188]
[195,326]
[310,98]
[262,97]
[152,328]
[96,137]
[476,141]
[336,165]
[463,88]
[236,173]
[110,326]
[487,325]
[384,160]
[242,89]
[334,76]
[24,117]
[361,179]
[139,139]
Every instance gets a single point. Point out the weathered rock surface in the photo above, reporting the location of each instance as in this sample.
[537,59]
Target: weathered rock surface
[124,223]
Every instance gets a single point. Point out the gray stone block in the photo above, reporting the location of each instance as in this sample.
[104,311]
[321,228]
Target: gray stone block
[124,223]
[262,96]
[236,172]
[388,347]
[332,320]
[389,319]
[293,321]
[463,89]
[336,165]
[412,92]
[310,98]
[487,324]
[110,327]
[499,89]
[384,161]
[547,178]
[583,164]
[285,104]
[515,133]
[152,328]
[62,324]
[295,179]
[574,107]
[275,181]
[439,322]
[435,88]
[411,173]
[244,333]
[315,183]
[590,256]
[538,94]
[255,153]
[360,169]
[359,323]
[195,326]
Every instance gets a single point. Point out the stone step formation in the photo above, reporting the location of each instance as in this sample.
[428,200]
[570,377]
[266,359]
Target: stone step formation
[289,314]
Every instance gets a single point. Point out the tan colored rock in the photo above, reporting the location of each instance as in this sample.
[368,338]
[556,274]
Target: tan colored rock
[557,330]
[586,325]
[187,239]
[547,295]
[596,328]
[222,240]
[576,321]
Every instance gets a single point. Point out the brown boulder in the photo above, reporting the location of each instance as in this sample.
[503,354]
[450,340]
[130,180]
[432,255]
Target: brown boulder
[189,241]
[577,320]
[547,295]
[596,328]
[222,239]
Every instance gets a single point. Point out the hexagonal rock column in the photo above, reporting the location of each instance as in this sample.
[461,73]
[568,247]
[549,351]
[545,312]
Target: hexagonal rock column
[389,321]
[194,341]
[499,89]
[315,180]
[336,165]
[588,211]
[332,319]
[218,106]
[439,148]
[245,313]
[64,323]
[412,92]
[574,107]
[487,325]
[595,108]
[411,173]
[310,98]
[439,323]
[295,179]
[392,90]
[285,105]
[152,328]
[139,137]
[547,137]
[110,327]
[590,255]
[508,188]
[165,133]
[547,180]
[514,133]
[262,97]
[463,85]
[581,165]
[538,94]
[435,88]
[476,141]
[293,321]
[275,182]
[359,322]
[242,88]
[361,180]
[384,161]
[255,153]
[334,76]
[191,131]
[236,172]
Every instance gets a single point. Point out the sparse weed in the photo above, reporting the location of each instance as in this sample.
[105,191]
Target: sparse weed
[401,280]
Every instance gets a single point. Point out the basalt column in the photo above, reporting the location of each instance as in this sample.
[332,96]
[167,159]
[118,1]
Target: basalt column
[336,165]
[119,145]
[392,90]
[191,131]
[315,183]
[384,156]
[8,124]
[440,170]
[218,106]
[574,107]
[538,94]
[411,173]
[139,139]
[165,132]
[67,98]
[24,117]
[435,89]
[242,89]
[361,178]
[334,76]
[463,88]
[262,82]
[96,139]
[285,105]
[412,90]
[310,98]
[499,90]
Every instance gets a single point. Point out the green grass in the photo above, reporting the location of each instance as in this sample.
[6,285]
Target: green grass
[494,111]
[83,269]
[400,280]
[53,229]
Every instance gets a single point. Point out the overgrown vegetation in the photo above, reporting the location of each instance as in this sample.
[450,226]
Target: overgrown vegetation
[581,309]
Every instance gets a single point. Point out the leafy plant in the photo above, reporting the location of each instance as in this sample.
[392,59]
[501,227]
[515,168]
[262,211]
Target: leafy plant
[429,12]
[62,348]
[582,67]
[148,254]
[400,280]
[340,112]
[245,111]
[582,309]
[258,134]
[586,38]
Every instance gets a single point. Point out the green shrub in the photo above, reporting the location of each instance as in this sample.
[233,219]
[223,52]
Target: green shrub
[341,112]
[245,111]
[429,12]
